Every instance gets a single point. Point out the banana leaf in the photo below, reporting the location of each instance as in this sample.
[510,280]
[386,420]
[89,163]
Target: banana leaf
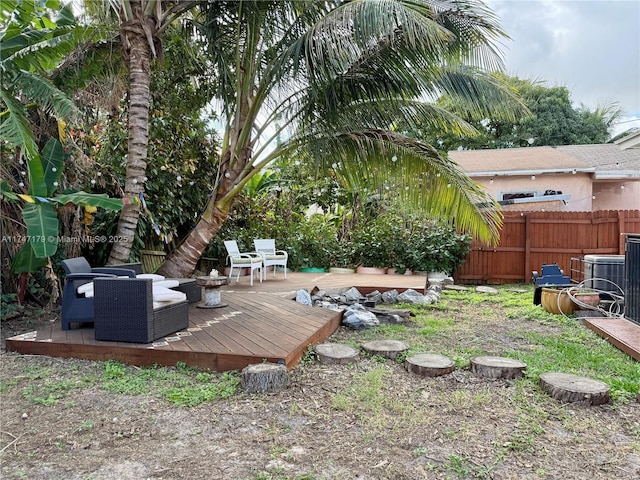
[52,157]
[26,260]
[41,220]
[92,199]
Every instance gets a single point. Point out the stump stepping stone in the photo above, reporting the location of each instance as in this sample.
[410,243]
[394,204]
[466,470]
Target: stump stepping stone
[484,289]
[429,364]
[386,348]
[571,388]
[264,377]
[497,367]
[335,353]
[459,288]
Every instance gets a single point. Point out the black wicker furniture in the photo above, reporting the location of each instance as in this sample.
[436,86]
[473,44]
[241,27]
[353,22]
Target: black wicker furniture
[76,307]
[124,312]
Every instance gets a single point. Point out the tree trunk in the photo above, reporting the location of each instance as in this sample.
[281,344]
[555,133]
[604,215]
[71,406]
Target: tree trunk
[183,261]
[139,53]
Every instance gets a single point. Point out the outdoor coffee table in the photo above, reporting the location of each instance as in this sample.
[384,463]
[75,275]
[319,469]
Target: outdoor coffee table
[212,291]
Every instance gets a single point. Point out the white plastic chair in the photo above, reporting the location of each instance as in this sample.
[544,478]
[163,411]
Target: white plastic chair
[239,260]
[270,256]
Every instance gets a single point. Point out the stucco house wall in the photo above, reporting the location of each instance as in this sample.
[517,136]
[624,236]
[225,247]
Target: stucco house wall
[577,187]
[565,178]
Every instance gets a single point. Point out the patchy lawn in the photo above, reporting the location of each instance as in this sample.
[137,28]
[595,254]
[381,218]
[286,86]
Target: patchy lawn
[75,419]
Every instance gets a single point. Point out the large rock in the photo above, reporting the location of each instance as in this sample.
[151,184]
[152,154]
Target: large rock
[304,297]
[390,297]
[357,317]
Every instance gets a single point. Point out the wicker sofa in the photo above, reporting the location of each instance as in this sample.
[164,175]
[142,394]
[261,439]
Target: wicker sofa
[185,285]
[125,311]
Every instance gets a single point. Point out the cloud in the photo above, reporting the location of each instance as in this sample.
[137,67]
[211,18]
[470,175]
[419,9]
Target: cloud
[590,47]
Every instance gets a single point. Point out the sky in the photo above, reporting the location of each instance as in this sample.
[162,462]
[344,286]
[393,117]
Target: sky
[592,47]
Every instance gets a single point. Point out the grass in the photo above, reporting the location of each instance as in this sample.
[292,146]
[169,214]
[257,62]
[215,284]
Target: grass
[373,402]
[181,386]
[552,343]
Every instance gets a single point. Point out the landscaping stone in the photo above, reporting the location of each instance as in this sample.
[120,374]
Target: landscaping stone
[358,317]
[304,297]
[389,297]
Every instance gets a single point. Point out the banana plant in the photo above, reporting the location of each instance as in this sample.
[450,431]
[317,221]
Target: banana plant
[39,211]
[34,37]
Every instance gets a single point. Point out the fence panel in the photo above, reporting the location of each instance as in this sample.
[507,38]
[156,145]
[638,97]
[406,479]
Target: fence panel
[530,239]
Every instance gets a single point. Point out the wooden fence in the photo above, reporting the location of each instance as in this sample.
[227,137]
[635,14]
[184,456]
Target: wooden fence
[530,239]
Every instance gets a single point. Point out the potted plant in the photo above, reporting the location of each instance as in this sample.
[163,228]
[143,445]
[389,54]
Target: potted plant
[317,243]
[371,254]
[434,247]
[342,259]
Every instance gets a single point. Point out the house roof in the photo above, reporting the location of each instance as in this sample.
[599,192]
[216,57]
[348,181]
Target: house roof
[632,140]
[603,160]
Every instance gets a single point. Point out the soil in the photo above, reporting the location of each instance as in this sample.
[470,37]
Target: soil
[367,420]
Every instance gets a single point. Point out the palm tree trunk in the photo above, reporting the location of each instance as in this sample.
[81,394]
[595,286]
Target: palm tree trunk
[139,74]
[183,261]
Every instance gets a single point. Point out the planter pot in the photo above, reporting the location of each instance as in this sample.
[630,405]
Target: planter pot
[243,272]
[371,270]
[312,270]
[558,301]
[591,299]
[393,271]
[342,270]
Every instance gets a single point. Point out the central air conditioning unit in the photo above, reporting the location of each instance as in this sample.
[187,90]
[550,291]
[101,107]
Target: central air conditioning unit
[604,272]
[632,288]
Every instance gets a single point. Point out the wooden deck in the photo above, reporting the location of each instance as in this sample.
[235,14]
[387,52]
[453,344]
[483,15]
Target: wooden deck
[253,328]
[261,322]
[620,332]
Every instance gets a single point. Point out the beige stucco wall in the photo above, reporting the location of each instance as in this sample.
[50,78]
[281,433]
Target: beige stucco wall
[611,195]
[578,186]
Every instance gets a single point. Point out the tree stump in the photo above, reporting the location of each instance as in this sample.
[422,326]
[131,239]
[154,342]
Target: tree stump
[264,377]
[572,388]
[497,367]
[485,289]
[460,288]
[429,365]
[335,353]
[385,348]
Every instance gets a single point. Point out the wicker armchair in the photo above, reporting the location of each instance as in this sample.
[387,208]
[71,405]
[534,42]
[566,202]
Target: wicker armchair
[125,311]
[76,307]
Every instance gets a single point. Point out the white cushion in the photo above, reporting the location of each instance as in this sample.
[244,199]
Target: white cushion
[166,283]
[85,288]
[163,294]
[157,305]
[154,277]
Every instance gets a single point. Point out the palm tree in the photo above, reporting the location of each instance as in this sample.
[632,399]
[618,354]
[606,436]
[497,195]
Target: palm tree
[333,79]
[141,25]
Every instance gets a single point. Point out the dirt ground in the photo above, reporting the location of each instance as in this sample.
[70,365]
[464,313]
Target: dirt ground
[368,420]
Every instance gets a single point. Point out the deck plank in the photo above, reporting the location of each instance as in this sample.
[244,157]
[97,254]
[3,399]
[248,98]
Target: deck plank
[620,332]
[252,328]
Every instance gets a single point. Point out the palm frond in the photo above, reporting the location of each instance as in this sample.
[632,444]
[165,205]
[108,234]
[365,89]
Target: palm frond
[391,164]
